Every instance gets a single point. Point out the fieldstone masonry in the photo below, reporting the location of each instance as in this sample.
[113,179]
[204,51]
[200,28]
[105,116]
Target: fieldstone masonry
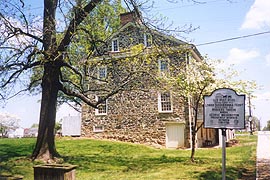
[132,117]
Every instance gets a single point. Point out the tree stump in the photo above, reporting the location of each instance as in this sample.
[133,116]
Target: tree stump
[54,172]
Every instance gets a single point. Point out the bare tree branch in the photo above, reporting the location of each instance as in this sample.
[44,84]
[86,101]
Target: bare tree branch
[15,31]
[17,73]
[83,97]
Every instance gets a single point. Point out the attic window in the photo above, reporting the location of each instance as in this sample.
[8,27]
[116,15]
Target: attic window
[115,45]
[102,73]
[163,67]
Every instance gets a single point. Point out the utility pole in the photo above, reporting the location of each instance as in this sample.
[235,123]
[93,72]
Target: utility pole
[250,117]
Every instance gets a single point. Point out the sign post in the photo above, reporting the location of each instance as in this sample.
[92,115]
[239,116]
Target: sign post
[223,154]
[224,109]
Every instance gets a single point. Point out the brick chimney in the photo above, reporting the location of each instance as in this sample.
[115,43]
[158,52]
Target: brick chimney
[130,17]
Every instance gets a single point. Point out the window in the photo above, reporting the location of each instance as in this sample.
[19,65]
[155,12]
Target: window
[115,45]
[102,72]
[147,40]
[98,128]
[164,102]
[102,107]
[163,67]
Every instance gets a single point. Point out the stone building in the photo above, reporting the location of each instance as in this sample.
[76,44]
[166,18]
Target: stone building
[157,116]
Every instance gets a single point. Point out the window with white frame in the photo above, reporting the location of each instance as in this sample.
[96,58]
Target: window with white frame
[102,72]
[115,45]
[102,107]
[164,102]
[163,66]
[98,128]
[147,39]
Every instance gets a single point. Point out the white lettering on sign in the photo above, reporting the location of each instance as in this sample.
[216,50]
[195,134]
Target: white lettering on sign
[224,109]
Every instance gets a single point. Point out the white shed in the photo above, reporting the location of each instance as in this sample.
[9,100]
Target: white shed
[71,126]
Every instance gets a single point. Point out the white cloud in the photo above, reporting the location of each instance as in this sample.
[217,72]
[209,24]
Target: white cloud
[262,96]
[240,56]
[258,15]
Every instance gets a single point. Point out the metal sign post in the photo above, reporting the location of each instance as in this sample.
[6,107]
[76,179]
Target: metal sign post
[223,154]
[224,109]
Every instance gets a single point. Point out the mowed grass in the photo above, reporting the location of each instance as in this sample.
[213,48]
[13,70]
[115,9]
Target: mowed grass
[98,159]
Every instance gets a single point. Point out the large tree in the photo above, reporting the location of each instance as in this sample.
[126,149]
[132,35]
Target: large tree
[42,48]
[52,50]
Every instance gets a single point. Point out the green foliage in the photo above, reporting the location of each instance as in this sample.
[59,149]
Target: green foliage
[115,160]
[267,127]
[34,125]
[101,23]
[57,126]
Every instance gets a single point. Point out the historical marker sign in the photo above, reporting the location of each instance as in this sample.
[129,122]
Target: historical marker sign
[224,109]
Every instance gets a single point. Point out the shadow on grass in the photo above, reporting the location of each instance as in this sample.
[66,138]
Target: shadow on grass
[13,152]
[142,164]
[96,163]
[232,173]
[8,151]
[100,156]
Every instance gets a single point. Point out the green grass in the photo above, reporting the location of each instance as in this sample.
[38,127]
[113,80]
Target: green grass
[115,160]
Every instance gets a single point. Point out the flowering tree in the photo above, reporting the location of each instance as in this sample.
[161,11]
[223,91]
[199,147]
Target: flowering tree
[201,78]
[8,122]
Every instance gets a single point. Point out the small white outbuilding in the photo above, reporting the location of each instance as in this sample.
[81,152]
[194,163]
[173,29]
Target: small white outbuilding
[71,126]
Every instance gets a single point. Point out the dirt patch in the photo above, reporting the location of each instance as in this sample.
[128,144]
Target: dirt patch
[263,169]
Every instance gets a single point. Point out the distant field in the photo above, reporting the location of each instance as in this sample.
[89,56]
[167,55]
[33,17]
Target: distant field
[106,160]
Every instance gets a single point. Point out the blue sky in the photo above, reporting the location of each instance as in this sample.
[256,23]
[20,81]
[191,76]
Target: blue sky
[217,20]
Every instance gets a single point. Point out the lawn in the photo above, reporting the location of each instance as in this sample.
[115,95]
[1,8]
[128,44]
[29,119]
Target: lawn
[97,159]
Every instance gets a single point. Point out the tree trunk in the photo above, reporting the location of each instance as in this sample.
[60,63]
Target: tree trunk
[193,144]
[195,129]
[45,145]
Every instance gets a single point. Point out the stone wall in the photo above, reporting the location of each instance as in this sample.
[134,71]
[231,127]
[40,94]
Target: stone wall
[132,117]
[133,34]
